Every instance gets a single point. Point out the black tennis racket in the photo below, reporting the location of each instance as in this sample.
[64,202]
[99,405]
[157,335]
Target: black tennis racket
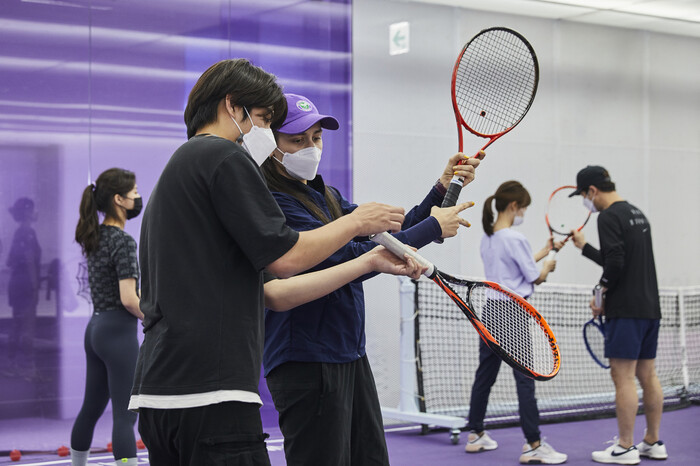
[494,82]
[506,322]
[565,214]
[594,333]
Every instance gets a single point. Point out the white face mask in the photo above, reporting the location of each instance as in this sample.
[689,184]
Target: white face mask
[259,142]
[588,204]
[302,164]
[519,217]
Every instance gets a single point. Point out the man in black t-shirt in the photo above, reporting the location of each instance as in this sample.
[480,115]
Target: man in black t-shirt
[632,312]
[210,229]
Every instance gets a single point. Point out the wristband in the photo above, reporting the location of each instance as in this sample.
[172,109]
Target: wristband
[440,188]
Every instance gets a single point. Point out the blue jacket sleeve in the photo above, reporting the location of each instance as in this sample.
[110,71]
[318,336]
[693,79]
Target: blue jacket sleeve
[300,219]
[414,216]
[419,235]
[422,210]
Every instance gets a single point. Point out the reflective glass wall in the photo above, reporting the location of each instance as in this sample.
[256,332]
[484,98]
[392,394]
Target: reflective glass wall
[86,85]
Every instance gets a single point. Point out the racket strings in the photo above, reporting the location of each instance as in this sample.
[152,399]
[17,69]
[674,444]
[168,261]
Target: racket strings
[566,213]
[595,340]
[495,82]
[514,328]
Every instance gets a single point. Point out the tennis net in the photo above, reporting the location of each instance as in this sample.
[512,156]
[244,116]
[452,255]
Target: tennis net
[446,348]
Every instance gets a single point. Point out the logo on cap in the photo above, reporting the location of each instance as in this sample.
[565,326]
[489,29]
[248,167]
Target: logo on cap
[304,106]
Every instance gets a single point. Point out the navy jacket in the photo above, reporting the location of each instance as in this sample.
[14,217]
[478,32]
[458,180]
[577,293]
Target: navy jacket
[332,329]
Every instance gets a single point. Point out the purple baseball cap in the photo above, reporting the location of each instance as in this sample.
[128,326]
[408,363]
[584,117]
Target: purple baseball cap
[302,115]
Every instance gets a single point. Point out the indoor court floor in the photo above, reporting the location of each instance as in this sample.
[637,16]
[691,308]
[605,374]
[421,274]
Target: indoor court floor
[407,447]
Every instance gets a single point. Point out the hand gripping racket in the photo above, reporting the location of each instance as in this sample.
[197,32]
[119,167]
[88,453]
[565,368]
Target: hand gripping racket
[594,333]
[507,323]
[494,82]
[565,214]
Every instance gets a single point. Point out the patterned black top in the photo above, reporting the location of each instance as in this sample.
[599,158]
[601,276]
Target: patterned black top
[114,259]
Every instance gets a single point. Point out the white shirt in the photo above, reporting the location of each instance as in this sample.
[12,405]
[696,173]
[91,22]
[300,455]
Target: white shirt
[508,260]
[192,400]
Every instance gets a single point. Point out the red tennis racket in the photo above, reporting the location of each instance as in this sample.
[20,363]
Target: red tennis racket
[565,214]
[494,82]
[509,325]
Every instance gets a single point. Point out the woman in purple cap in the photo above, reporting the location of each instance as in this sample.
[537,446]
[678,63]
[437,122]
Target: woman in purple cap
[315,361]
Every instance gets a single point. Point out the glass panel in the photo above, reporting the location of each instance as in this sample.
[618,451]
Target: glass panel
[93,84]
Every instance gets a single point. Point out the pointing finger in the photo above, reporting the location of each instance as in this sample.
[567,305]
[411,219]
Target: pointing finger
[464,206]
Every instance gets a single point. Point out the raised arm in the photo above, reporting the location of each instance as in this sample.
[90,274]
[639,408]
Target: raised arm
[586,249]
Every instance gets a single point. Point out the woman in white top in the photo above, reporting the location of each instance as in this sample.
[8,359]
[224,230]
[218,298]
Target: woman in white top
[508,260]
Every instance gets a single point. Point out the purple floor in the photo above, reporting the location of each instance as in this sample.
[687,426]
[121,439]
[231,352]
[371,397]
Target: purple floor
[680,431]
[407,447]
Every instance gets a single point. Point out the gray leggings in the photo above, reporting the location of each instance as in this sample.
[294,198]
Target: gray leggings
[111,349]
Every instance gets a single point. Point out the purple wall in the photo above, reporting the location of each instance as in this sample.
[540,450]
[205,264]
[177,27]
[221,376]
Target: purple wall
[87,85]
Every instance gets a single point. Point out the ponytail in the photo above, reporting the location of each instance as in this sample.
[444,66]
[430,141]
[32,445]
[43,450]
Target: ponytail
[87,231]
[506,193]
[99,197]
[487,217]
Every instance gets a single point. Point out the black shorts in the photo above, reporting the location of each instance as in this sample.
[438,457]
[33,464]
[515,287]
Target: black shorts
[631,338]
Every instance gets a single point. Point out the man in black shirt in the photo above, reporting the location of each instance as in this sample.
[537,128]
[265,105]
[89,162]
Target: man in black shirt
[632,312]
[210,229]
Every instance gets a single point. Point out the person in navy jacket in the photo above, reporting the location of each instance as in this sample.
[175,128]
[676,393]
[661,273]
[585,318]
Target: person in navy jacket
[314,360]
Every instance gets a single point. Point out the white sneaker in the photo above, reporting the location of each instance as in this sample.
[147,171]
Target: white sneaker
[543,454]
[657,451]
[476,443]
[617,455]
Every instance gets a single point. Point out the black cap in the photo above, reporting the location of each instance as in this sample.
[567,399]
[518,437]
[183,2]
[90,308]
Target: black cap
[592,175]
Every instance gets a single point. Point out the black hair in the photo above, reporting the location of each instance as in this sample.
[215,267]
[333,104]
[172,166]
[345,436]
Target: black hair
[505,194]
[278,182]
[247,85]
[98,197]
[605,186]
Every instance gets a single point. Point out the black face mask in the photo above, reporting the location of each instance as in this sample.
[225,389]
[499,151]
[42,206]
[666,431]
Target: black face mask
[138,205]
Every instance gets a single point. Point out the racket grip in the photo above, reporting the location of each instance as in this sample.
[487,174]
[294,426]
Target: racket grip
[552,254]
[598,296]
[453,191]
[399,249]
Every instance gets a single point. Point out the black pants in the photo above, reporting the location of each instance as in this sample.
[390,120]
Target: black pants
[227,433]
[329,414]
[111,349]
[486,374]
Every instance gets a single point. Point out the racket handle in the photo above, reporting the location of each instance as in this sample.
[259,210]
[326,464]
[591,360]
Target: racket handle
[598,296]
[552,254]
[400,250]
[453,191]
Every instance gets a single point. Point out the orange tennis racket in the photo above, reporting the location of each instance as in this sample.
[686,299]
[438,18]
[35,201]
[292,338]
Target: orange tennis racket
[565,214]
[494,82]
[506,322]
